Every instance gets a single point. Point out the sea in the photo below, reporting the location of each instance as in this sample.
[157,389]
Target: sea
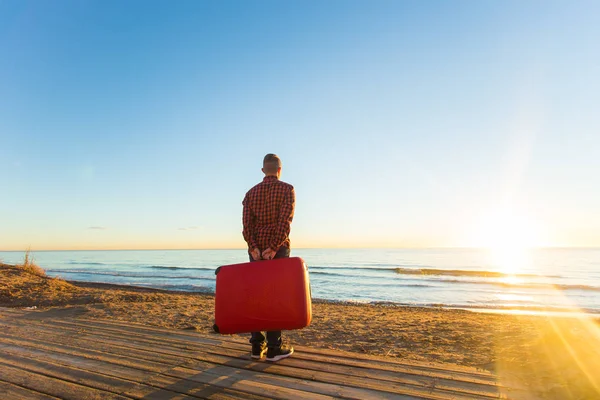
[553,279]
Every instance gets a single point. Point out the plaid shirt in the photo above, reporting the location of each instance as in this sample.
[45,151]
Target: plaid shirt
[268,214]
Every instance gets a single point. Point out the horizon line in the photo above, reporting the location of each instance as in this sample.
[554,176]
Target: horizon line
[310,248]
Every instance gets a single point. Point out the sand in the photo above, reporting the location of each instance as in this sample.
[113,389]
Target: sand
[554,357]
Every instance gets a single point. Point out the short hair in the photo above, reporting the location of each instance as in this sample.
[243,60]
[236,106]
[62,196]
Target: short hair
[271,163]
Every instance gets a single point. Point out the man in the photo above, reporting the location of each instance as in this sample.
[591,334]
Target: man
[267,217]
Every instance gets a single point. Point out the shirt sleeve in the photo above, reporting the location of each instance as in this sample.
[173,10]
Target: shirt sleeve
[284,222]
[249,222]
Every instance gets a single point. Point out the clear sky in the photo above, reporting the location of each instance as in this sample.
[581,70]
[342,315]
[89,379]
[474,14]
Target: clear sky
[141,124]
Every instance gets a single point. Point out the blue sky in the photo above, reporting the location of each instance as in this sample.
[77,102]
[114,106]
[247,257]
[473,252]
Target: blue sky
[400,123]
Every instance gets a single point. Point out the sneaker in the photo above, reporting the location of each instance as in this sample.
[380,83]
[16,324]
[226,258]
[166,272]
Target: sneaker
[276,354]
[258,350]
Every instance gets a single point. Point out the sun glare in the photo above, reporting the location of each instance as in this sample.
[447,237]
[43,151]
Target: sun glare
[508,238]
[510,260]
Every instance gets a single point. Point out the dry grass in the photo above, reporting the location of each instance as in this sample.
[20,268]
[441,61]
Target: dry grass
[25,286]
[30,266]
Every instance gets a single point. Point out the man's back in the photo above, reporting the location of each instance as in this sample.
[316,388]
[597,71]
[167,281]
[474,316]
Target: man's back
[268,213]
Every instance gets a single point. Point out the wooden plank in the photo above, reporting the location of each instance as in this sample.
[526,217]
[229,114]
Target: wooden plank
[63,335]
[270,386]
[161,394]
[482,389]
[180,335]
[67,373]
[86,325]
[120,359]
[327,373]
[173,344]
[456,371]
[210,377]
[105,343]
[154,384]
[151,387]
[361,363]
[305,389]
[300,361]
[374,362]
[10,391]
[307,350]
[353,386]
[341,358]
[323,372]
[11,311]
[52,386]
[88,364]
[326,352]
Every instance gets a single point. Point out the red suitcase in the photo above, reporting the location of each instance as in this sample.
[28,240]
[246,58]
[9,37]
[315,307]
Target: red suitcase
[268,295]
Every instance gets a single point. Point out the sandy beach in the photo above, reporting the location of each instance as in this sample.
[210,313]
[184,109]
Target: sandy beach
[554,357]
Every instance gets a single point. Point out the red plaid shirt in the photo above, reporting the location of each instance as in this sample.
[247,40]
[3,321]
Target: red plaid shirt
[268,214]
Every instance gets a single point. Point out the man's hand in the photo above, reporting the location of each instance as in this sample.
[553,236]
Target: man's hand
[268,254]
[255,254]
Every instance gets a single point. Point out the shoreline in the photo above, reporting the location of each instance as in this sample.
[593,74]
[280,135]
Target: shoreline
[558,293]
[532,311]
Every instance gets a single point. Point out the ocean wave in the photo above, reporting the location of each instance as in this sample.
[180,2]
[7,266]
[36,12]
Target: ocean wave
[359,276]
[187,288]
[417,285]
[139,265]
[391,269]
[579,287]
[125,274]
[374,284]
[462,272]
[382,265]
[518,285]
[186,268]
[329,273]
[85,263]
[175,287]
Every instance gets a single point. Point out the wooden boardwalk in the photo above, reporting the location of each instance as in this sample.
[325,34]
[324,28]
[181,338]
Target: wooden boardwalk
[51,354]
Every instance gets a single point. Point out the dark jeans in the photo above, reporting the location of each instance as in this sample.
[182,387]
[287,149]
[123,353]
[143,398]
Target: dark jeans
[273,337]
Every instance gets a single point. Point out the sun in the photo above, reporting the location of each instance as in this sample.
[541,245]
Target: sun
[508,237]
[510,260]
